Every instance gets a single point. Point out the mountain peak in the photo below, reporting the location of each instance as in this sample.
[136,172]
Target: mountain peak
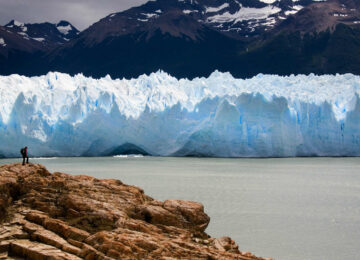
[67,29]
[237,18]
[63,23]
[13,23]
[47,34]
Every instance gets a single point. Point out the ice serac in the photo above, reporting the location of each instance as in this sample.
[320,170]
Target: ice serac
[265,116]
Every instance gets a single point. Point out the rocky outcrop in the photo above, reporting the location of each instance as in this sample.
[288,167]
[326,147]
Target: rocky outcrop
[60,216]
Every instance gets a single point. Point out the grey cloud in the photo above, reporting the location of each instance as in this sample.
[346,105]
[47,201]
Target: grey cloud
[81,13]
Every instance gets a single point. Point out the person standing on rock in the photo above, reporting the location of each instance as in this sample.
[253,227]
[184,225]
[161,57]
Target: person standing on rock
[24,154]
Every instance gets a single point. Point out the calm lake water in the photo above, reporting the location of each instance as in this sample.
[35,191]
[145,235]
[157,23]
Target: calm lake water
[303,208]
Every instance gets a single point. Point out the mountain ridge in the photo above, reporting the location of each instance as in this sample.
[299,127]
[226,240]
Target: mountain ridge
[194,38]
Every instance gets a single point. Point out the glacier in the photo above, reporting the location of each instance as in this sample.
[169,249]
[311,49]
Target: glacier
[264,116]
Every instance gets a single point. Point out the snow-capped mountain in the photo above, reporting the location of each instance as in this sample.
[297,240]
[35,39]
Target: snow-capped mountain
[234,17]
[46,33]
[15,41]
[323,15]
[22,45]
[67,30]
[190,38]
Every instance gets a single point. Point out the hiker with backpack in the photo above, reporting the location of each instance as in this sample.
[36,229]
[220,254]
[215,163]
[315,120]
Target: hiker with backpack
[24,154]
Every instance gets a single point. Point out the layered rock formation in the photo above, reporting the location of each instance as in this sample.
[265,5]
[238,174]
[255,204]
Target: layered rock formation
[60,216]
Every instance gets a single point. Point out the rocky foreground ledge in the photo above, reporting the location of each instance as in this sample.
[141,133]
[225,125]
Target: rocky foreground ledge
[60,216]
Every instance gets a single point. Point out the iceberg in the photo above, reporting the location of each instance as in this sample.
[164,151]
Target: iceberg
[264,116]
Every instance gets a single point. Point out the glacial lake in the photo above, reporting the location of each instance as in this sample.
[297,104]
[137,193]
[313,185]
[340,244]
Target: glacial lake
[288,209]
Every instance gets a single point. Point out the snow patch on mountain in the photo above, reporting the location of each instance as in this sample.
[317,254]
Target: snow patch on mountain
[216,9]
[39,39]
[2,42]
[64,29]
[15,23]
[24,35]
[150,15]
[268,1]
[244,14]
[295,9]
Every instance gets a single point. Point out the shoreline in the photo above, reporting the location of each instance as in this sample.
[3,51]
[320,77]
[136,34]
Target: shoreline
[81,216]
[180,157]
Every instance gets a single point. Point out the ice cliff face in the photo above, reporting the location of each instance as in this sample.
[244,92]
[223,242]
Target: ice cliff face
[267,115]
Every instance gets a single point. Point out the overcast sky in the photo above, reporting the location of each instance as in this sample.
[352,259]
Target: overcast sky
[81,13]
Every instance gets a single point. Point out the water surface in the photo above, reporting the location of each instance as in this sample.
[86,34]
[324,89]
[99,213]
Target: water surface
[301,208]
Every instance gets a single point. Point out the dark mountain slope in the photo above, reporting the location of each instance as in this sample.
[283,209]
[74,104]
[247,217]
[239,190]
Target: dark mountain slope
[23,45]
[193,38]
[322,16]
[320,37]
[292,53]
[176,43]
[47,33]
[17,52]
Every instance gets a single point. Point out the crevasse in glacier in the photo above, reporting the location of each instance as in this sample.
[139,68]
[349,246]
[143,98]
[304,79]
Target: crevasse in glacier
[265,116]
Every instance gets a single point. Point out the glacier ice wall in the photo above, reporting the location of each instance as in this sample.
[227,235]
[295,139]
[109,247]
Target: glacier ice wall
[265,116]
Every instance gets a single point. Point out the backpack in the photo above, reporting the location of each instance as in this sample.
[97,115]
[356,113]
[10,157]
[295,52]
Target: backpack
[22,151]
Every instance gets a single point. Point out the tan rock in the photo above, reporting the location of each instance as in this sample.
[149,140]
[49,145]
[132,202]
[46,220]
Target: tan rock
[34,250]
[60,216]
[225,244]
[192,213]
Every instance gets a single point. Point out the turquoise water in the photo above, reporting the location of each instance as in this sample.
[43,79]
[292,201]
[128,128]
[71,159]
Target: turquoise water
[301,208]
